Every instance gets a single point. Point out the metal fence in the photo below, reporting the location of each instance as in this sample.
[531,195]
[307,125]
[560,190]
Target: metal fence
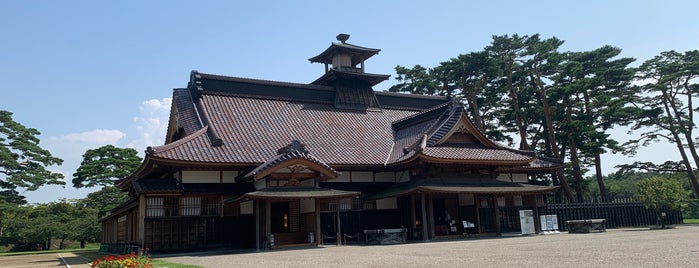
[618,213]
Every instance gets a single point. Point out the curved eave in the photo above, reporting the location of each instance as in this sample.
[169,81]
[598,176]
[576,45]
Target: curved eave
[528,169]
[481,162]
[294,193]
[523,190]
[363,53]
[332,75]
[327,171]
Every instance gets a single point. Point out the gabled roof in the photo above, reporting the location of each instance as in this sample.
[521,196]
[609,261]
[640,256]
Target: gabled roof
[428,136]
[240,122]
[292,154]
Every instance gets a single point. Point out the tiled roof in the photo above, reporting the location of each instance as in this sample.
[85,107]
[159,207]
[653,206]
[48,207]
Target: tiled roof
[473,152]
[187,118]
[332,76]
[359,53]
[462,186]
[295,150]
[253,129]
[245,121]
[294,193]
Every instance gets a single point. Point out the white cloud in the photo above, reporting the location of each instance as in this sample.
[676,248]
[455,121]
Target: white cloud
[92,137]
[151,123]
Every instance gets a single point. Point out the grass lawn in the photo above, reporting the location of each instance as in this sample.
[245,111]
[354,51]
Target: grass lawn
[691,221]
[76,251]
[93,255]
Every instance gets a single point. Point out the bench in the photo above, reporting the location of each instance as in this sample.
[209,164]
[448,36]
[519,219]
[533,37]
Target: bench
[586,226]
[385,236]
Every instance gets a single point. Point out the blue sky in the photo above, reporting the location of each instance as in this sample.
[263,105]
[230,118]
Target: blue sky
[91,73]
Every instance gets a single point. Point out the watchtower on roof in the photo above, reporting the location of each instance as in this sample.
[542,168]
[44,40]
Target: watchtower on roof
[344,70]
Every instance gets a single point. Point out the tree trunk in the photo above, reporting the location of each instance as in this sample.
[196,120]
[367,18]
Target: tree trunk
[598,158]
[600,179]
[686,129]
[679,144]
[473,103]
[518,112]
[552,137]
[575,162]
[82,243]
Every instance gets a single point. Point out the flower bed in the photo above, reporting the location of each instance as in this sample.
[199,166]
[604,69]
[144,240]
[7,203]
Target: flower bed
[132,260]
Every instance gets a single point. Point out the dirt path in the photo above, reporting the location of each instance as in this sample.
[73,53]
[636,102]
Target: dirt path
[44,260]
[615,248]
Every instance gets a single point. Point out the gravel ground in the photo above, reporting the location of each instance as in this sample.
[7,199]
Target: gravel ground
[678,247]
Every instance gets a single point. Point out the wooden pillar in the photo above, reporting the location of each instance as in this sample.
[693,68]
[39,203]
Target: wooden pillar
[496,214]
[412,212]
[268,222]
[319,235]
[537,219]
[424,219]
[430,214]
[339,230]
[256,211]
[477,200]
[141,224]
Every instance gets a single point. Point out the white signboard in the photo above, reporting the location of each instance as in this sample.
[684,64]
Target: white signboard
[526,221]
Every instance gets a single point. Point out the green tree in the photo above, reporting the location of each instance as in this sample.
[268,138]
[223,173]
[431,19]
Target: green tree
[592,86]
[104,165]
[667,98]
[103,200]
[86,226]
[660,194]
[23,163]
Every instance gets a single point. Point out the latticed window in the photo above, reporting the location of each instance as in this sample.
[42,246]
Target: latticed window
[345,204]
[155,207]
[190,206]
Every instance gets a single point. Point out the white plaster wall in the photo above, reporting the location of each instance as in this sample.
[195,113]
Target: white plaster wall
[189,176]
[466,200]
[402,176]
[521,178]
[261,184]
[308,205]
[385,177]
[229,176]
[387,203]
[344,177]
[246,208]
[362,176]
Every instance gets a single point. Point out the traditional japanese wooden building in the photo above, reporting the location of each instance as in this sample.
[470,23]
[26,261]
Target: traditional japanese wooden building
[258,164]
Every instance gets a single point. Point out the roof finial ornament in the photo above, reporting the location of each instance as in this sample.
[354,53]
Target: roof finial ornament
[342,37]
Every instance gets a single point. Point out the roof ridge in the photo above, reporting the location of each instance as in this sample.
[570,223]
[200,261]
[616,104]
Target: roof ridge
[150,150]
[399,124]
[260,81]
